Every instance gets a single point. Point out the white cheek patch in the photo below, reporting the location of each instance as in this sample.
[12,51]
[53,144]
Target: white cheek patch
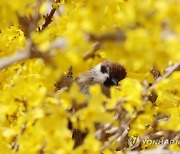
[100,77]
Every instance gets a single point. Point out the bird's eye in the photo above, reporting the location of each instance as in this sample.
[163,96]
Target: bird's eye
[103,69]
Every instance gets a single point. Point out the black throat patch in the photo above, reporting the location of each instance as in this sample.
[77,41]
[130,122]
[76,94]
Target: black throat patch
[108,82]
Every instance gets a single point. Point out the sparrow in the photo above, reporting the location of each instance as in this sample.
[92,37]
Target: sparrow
[106,74]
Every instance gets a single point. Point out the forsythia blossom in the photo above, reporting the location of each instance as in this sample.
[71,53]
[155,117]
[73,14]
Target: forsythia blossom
[139,34]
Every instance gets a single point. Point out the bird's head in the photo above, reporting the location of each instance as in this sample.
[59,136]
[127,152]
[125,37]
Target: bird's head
[109,73]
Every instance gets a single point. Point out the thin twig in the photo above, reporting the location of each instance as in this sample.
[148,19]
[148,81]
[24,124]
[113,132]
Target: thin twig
[48,17]
[148,89]
[123,139]
[174,68]
[22,55]
[118,36]
[15,144]
[28,53]
[7,61]
[35,18]
[90,54]
[114,138]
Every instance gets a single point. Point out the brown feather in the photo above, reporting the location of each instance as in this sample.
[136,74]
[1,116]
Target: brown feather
[117,70]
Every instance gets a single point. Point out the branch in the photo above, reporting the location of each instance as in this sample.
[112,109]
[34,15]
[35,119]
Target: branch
[114,138]
[22,55]
[33,23]
[48,17]
[15,144]
[174,68]
[118,36]
[7,61]
[148,88]
[29,53]
[90,54]
[123,139]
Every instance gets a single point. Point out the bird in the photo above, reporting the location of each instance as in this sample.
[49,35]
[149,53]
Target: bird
[106,73]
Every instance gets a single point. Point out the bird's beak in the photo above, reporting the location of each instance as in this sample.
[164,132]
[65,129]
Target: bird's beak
[115,81]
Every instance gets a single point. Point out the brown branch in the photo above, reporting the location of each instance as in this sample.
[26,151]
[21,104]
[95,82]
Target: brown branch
[42,149]
[90,54]
[30,23]
[48,17]
[149,89]
[30,52]
[118,36]
[34,19]
[174,68]
[15,144]
[23,55]
[7,61]
[123,141]
[20,56]
[114,138]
